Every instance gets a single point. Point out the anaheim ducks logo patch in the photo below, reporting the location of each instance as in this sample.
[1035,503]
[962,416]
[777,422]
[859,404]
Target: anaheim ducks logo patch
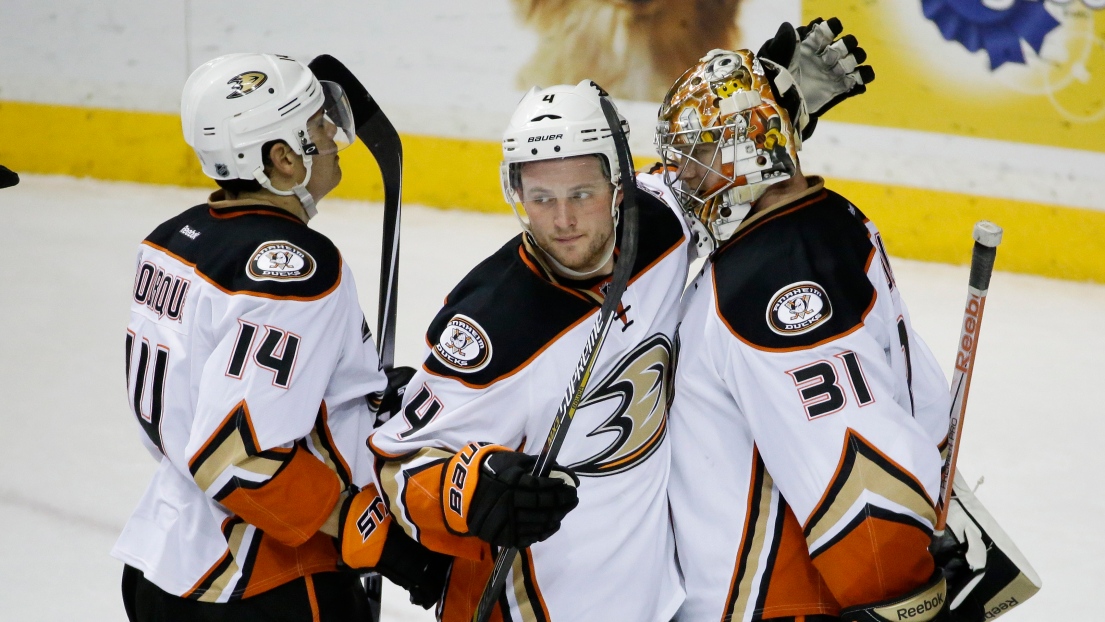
[245,83]
[463,345]
[641,384]
[280,261]
[798,308]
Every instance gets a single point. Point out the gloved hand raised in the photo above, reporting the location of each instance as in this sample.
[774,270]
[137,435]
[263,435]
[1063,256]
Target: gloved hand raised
[826,70]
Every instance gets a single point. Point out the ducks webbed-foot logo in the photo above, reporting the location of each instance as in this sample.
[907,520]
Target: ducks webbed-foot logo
[641,382]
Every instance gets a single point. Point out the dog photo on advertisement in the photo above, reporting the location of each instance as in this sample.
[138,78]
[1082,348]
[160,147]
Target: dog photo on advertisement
[634,49]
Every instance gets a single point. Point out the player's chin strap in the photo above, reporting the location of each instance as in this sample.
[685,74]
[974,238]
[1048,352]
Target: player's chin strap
[299,190]
[565,271]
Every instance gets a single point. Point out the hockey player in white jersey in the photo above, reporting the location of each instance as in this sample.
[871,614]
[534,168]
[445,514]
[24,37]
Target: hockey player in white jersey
[455,468]
[500,355]
[248,364]
[808,415]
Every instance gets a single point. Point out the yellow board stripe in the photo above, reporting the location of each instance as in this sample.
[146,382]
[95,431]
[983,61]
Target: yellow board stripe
[916,223]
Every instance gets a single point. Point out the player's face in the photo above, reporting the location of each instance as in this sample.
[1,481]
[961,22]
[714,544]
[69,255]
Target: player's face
[699,171]
[325,170]
[568,204]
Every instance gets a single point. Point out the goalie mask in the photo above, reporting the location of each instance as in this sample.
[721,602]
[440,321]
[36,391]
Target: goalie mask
[724,140]
[559,122]
[234,104]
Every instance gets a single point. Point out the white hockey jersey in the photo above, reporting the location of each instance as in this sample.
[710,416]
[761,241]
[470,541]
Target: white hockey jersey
[248,362]
[500,355]
[806,423]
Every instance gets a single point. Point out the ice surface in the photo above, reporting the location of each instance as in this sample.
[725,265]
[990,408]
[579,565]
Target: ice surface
[72,468]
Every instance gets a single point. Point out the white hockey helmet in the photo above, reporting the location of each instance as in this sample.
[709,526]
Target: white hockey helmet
[234,104]
[560,121]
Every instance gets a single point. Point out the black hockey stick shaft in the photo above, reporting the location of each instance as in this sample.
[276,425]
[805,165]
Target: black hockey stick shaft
[379,135]
[623,270]
[987,236]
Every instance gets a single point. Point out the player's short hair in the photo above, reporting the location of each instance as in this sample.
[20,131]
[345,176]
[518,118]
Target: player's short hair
[235,187]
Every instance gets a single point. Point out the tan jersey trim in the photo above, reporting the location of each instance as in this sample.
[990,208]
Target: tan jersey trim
[865,475]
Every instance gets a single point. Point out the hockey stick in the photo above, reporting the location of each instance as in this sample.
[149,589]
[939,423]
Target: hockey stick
[987,236]
[379,135]
[607,314]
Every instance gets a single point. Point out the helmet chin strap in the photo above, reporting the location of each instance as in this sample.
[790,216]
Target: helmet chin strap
[299,190]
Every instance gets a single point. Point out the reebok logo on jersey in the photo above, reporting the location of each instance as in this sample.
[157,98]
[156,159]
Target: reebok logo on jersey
[189,232]
[798,308]
[280,261]
[463,345]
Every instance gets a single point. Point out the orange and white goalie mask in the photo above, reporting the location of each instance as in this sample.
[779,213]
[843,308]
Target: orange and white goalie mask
[724,140]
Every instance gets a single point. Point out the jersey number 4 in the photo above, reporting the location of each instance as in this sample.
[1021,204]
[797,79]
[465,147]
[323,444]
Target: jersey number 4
[819,390]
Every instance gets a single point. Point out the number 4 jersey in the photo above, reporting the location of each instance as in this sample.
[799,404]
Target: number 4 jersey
[500,356]
[248,360]
[806,422]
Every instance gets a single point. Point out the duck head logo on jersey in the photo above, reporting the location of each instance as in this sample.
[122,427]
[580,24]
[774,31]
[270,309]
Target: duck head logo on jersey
[641,384]
[798,308]
[280,261]
[463,345]
[245,83]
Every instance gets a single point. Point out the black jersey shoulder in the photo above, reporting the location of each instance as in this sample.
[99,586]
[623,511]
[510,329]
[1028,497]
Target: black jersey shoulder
[497,318]
[503,313]
[660,230]
[799,277]
[255,250]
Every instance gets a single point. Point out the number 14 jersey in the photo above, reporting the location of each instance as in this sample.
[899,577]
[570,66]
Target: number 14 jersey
[248,360]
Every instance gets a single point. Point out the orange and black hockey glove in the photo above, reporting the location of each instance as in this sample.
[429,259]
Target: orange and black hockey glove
[490,493]
[370,540]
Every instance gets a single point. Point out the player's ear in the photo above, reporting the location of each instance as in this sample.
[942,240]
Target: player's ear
[284,159]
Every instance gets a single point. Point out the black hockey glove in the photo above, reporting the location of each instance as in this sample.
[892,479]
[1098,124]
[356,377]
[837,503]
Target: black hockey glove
[413,567]
[389,402]
[511,507]
[827,70]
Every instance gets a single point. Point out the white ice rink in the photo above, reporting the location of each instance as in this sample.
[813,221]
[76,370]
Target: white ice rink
[72,468]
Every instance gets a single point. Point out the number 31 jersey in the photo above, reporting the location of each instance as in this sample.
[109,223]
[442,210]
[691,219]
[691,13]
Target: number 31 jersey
[247,365]
[806,422]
